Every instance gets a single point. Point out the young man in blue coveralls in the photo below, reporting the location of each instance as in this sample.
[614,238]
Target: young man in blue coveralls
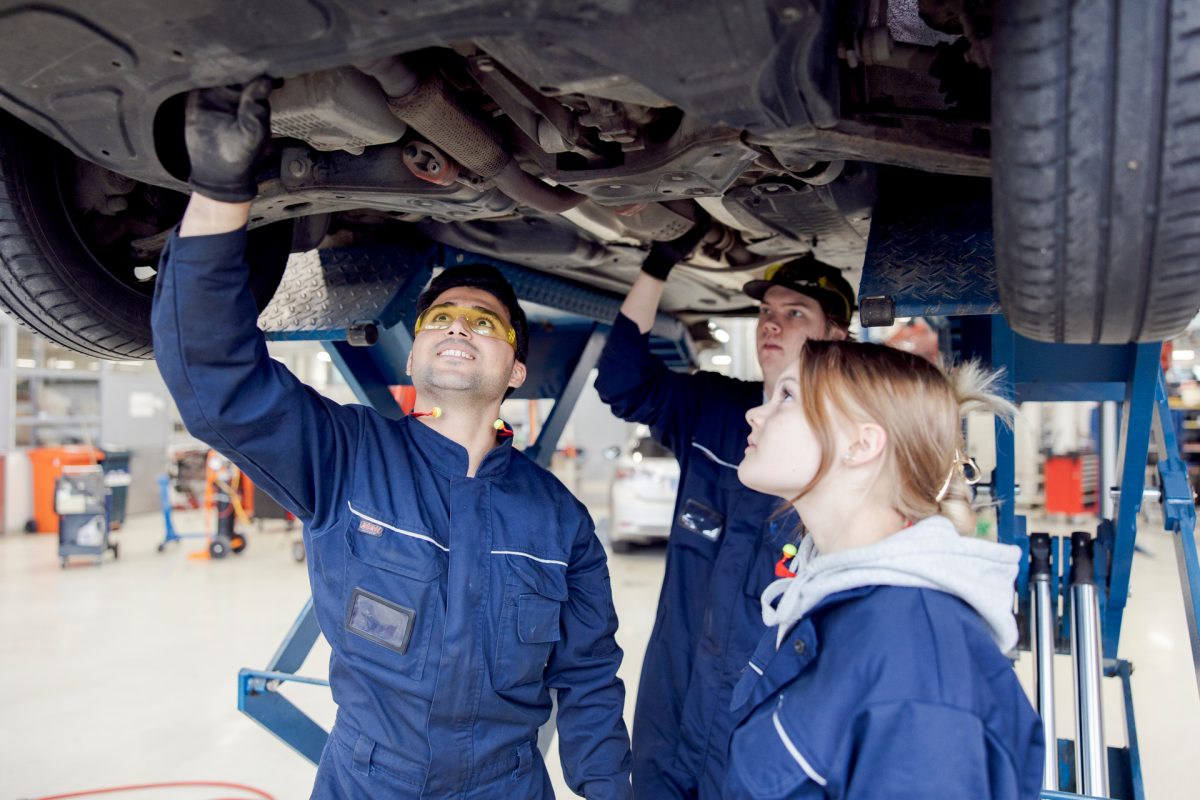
[455,580]
[725,539]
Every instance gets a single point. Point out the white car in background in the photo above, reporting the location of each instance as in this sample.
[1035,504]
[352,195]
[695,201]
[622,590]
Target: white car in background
[645,481]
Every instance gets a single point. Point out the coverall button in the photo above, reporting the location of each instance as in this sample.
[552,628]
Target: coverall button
[800,647]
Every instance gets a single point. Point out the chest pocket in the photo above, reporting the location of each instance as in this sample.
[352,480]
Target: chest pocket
[529,621]
[770,763]
[700,522]
[393,598]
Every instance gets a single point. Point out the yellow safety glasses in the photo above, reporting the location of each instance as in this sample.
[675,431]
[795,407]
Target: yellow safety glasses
[481,321]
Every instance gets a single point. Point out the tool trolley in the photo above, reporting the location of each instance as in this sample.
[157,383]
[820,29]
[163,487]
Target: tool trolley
[84,506]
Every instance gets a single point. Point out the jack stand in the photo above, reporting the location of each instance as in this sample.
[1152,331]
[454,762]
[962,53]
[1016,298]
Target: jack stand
[169,533]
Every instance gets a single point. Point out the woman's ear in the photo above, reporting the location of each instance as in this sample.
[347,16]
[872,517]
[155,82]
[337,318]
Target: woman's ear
[869,443]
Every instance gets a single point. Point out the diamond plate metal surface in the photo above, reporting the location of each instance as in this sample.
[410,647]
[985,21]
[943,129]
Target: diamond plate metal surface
[668,335]
[931,249]
[323,293]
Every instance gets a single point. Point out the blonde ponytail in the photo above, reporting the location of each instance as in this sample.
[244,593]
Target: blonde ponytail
[974,388]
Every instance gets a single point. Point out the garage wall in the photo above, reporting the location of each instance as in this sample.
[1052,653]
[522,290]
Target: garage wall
[137,417]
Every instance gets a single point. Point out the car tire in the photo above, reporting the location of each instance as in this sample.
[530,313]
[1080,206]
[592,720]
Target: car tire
[52,282]
[621,546]
[1096,188]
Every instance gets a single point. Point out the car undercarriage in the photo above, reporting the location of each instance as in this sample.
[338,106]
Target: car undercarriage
[562,136]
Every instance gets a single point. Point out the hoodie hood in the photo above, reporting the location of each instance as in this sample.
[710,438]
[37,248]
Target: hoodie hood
[930,554]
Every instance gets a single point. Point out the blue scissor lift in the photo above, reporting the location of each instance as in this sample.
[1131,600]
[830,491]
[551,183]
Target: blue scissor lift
[947,272]
[912,269]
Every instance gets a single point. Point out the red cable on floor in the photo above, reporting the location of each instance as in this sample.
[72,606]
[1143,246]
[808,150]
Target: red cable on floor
[169,785]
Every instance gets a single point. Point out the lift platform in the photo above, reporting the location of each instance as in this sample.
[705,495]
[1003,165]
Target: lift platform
[913,268]
[916,269]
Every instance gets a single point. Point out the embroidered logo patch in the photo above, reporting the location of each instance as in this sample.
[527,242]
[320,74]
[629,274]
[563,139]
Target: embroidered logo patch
[370,527]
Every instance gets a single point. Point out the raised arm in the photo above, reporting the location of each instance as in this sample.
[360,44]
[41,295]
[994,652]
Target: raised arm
[633,381]
[296,444]
[641,304]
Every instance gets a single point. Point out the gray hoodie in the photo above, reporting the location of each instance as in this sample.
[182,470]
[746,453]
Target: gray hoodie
[930,554]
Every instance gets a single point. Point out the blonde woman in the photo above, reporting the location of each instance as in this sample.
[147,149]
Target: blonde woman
[883,672]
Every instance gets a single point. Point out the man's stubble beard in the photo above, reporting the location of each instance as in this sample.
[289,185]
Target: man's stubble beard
[463,389]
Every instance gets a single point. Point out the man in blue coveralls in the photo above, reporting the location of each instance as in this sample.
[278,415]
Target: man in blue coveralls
[455,580]
[725,539]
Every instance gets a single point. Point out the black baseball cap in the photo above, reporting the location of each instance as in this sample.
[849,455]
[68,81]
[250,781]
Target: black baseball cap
[818,280]
[490,280]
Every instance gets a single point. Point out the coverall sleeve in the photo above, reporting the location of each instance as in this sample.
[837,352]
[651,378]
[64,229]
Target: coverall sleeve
[639,387]
[294,443]
[593,740]
[912,750]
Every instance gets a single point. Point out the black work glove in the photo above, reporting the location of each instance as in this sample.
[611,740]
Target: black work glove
[665,255]
[226,129]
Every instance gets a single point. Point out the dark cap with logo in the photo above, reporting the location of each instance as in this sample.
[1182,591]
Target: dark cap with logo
[818,280]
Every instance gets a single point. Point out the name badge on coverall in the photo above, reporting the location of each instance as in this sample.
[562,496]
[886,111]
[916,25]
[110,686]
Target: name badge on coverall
[381,621]
[699,518]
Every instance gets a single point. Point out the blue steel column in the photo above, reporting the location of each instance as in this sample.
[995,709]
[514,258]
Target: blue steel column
[1134,449]
[542,450]
[1179,515]
[1005,477]
[360,368]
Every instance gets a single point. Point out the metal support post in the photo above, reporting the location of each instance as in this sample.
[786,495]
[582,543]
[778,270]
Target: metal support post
[1091,756]
[1124,670]
[1042,640]
[1179,515]
[1108,457]
[1132,455]
[542,450]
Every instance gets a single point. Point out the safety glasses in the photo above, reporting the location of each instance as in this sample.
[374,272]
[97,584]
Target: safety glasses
[479,320]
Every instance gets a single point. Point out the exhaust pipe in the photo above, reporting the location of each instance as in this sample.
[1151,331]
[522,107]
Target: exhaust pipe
[430,106]
[1043,652]
[1091,756]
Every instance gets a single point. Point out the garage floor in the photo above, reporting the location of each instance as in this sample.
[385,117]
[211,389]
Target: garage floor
[125,673]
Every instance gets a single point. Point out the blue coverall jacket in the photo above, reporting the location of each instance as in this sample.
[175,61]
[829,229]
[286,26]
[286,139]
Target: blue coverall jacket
[724,542]
[884,692]
[451,604]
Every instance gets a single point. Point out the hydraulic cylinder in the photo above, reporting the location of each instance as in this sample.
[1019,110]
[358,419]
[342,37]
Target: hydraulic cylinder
[1042,642]
[1091,755]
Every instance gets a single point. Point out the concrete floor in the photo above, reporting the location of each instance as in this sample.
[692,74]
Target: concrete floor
[125,673]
